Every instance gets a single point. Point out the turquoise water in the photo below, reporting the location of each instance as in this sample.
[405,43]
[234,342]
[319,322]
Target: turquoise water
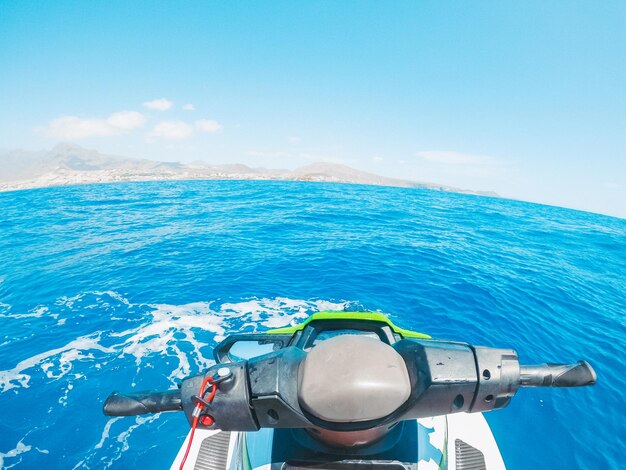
[128,286]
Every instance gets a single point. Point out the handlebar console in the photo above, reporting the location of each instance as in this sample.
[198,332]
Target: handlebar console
[443,377]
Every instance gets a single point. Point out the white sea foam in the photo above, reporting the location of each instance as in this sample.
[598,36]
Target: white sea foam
[68,388]
[105,432]
[139,420]
[100,297]
[104,437]
[137,333]
[20,448]
[278,312]
[73,351]
[170,326]
[118,443]
[37,312]
[169,330]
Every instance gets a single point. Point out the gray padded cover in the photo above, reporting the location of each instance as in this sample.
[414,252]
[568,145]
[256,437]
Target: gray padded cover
[352,378]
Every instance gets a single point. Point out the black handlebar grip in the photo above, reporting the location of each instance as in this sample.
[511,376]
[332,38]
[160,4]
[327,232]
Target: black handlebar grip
[558,375]
[142,402]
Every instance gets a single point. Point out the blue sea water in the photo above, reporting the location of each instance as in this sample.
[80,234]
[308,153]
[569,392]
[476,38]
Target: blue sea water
[128,287]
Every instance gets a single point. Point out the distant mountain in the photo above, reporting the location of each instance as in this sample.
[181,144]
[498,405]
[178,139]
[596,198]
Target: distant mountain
[21,165]
[67,164]
[332,171]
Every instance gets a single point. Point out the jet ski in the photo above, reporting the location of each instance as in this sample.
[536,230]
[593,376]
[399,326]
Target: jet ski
[346,391]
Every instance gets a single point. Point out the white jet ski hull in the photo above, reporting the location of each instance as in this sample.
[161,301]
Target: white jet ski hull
[460,441]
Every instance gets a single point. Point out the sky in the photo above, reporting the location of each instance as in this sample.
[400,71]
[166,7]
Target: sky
[527,99]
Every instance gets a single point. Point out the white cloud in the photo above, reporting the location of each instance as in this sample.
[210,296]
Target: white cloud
[161,104]
[378,159]
[76,128]
[189,107]
[172,130]
[126,120]
[208,125]
[179,130]
[294,139]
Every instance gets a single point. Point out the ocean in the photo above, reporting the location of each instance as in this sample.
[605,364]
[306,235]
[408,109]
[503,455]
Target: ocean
[129,286]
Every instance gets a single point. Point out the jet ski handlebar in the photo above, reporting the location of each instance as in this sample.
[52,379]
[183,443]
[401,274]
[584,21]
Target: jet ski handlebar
[351,387]
[354,383]
[142,402]
[558,375]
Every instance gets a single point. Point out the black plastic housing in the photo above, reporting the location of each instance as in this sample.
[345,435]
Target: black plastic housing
[443,377]
[141,403]
[231,408]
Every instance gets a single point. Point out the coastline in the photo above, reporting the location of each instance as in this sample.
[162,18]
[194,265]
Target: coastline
[72,178]
[69,164]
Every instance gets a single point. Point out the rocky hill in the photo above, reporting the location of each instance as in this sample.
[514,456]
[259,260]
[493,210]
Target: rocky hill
[68,164]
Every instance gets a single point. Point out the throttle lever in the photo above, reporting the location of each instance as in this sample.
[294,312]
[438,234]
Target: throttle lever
[557,375]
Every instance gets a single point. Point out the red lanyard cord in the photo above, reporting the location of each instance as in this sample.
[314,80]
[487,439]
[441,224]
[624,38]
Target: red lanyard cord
[197,411]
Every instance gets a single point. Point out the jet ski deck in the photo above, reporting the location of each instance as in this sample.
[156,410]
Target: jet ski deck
[462,441]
